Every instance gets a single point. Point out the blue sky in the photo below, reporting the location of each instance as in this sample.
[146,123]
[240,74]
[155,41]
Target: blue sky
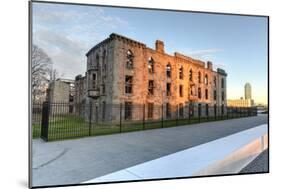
[237,44]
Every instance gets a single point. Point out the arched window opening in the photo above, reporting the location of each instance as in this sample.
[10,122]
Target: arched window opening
[150,65]
[199,77]
[130,59]
[190,75]
[181,72]
[168,70]
[206,79]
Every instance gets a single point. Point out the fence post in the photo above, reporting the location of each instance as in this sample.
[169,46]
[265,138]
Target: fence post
[143,118]
[177,106]
[45,121]
[218,112]
[189,113]
[120,123]
[221,110]
[90,118]
[226,112]
[199,112]
[207,112]
[162,124]
[215,111]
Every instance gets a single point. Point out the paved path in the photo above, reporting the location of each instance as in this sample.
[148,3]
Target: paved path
[76,161]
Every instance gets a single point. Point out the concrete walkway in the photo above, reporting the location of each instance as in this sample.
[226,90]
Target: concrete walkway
[227,155]
[76,161]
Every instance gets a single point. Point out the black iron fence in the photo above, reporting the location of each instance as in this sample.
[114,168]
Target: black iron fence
[57,121]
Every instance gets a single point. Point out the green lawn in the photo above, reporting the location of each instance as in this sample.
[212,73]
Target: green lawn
[67,127]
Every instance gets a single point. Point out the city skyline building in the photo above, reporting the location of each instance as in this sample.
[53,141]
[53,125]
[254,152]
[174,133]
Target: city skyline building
[247,101]
[248,91]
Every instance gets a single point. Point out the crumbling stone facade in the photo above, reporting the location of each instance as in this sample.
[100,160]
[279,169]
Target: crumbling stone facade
[60,94]
[124,72]
[80,95]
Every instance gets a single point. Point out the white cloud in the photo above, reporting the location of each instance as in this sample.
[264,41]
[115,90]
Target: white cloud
[68,55]
[66,33]
[203,54]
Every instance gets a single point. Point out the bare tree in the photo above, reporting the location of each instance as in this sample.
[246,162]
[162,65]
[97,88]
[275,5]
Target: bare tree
[54,75]
[41,65]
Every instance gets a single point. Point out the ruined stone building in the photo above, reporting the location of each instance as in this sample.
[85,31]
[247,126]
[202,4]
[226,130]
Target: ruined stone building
[61,92]
[80,94]
[125,72]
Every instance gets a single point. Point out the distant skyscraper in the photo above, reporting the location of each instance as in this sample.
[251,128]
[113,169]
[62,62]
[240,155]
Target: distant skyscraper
[248,91]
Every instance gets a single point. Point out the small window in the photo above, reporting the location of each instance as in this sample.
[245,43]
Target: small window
[130,58]
[215,81]
[150,65]
[222,95]
[222,83]
[97,61]
[128,110]
[181,72]
[190,75]
[103,89]
[168,70]
[168,110]
[181,110]
[206,94]
[181,90]
[71,98]
[199,93]
[192,90]
[168,89]
[215,95]
[103,61]
[199,77]
[94,84]
[206,79]
[128,84]
[150,110]
[150,87]
[222,109]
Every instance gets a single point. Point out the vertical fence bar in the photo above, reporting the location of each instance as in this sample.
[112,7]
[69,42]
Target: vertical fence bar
[177,116]
[162,117]
[199,113]
[226,109]
[222,111]
[90,118]
[189,113]
[120,121]
[143,118]
[215,111]
[218,111]
[207,113]
[45,121]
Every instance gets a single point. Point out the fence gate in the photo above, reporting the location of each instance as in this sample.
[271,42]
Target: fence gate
[45,121]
